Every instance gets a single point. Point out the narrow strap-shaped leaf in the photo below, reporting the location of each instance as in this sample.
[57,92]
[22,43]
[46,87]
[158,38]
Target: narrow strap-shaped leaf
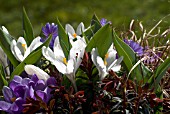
[94,27]
[64,39]
[31,59]
[159,73]
[28,30]
[95,21]
[102,39]
[3,80]
[129,57]
[5,41]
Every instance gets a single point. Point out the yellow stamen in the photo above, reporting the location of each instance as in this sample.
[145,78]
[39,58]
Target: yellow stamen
[105,62]
[106,56]
[74,35]
[65,61]
[24,46]
[13,99]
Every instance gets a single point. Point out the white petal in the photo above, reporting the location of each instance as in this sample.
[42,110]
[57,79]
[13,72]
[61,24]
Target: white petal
[15,51]
[111,48]
[70,66]
[57,49]
[22,41]
[79,59]
[18,54]
[79,43]
[27,52]
[69,29]
[48,53]
[94,55]
[61,67]
[35,43]
[5,30]
[101,67]
[100,63]
[80,28]
[31,69]
[115,63]
[116,68]
[111,57]
[13,44]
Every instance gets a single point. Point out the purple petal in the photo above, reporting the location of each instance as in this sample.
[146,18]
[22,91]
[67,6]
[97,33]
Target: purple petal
[16,80]
[31,83]
[31,92]
[7,93]
[42,95]
[19,102]
[14,108]
[48,92]
[19,91]
[34,78]
[51,81]
[5,106]
[25,81]
[40,85]
[103,21]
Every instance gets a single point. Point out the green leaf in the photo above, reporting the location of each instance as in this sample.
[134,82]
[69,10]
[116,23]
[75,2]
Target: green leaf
[129,57]
[147,73]
[95,21]
[31,59]
[28,30]
[3,80]
[102,40]
[64,39]
[5,40]
[89,32]
[159,73]
[93,28]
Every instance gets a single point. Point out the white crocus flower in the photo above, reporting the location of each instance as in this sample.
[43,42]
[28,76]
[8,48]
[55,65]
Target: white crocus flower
[20,50]
[31,70]
[58,59]
[75,36]
[109,63]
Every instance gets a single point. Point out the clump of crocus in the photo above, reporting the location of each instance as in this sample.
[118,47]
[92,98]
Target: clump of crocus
[67,66]
[50,29]
[22,88]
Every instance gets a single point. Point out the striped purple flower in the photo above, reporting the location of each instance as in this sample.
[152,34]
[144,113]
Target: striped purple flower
[135,46]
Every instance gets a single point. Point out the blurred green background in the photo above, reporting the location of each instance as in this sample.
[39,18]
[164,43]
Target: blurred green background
[120,12]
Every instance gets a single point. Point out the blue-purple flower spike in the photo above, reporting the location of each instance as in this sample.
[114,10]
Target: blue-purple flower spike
[104,21]
[50,29]
[135,46]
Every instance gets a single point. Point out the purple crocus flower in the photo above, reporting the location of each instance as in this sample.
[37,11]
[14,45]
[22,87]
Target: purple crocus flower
[104,21]
[20,88]
[135,46]
[50,29]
